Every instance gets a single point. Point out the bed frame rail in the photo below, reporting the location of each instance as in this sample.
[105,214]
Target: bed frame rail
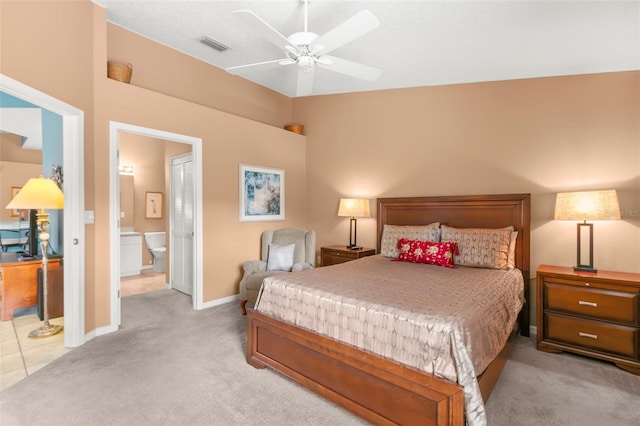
[375,389]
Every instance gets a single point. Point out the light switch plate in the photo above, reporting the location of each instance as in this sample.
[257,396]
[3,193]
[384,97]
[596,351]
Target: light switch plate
[89,216]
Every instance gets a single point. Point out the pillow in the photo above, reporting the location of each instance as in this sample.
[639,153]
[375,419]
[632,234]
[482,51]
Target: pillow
[511,260]
[280,257]
[480,247]
[392,233]
[440,254]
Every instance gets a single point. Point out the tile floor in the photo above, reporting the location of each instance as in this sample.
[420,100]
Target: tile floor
[21,356]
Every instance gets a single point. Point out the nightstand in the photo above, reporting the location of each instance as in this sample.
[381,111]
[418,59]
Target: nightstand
[332,255]
[594,314]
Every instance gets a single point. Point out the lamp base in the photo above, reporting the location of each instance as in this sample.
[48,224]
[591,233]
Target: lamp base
[354,247]
[584,269]
[45,330]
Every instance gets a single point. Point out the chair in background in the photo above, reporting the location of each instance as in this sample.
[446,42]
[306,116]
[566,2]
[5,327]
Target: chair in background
[283,250]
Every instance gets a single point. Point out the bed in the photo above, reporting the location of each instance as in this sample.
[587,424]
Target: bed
[376,387]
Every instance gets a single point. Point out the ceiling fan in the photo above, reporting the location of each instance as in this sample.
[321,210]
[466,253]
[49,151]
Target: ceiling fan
[307,49]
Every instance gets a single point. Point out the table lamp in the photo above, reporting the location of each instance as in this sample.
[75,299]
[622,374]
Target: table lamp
[353,208]
[40,194]
[587,205]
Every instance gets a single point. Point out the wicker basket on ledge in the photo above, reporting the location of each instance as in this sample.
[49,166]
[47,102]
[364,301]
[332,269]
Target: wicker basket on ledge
[295,128]
[120,72]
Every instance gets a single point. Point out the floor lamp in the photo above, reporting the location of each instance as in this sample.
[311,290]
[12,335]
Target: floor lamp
[353,208]
[587,205]
[40,194]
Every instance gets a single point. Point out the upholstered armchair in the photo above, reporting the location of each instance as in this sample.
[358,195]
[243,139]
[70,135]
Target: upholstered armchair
[283,250]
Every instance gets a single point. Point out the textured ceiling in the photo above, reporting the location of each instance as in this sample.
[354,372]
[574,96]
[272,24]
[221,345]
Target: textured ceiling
[418,43]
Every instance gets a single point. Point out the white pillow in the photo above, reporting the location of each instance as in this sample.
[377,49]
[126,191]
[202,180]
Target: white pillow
[280,257]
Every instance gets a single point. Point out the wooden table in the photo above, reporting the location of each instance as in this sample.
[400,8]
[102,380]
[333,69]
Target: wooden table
[20,283]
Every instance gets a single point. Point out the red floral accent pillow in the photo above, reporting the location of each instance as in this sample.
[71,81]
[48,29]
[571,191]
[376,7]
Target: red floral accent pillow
[440,254]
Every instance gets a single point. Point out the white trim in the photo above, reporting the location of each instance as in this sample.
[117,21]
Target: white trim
[73,166]
[217,302]
[114,214]
[533,330]
[100,331]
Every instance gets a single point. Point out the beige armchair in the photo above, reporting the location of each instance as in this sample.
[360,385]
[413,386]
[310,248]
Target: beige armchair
[277,260]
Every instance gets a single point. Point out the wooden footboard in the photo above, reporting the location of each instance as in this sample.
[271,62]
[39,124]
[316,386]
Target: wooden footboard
[377,390]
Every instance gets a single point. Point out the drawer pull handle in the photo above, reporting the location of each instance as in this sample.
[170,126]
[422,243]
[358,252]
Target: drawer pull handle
[582,302]
[590,336]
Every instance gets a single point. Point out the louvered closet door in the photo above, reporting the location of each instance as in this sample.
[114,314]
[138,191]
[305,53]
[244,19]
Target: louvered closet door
[182,191]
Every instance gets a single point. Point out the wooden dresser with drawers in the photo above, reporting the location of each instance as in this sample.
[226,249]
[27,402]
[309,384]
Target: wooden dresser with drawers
[590,313]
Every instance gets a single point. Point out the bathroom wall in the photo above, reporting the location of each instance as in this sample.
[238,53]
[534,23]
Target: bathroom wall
[149,158]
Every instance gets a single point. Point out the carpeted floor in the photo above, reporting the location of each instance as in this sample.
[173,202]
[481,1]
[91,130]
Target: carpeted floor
[171,365]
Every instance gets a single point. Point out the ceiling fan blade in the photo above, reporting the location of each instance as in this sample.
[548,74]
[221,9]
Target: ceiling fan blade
[262,27]
[305,81]
[353,69]
[234,70]
[354,27]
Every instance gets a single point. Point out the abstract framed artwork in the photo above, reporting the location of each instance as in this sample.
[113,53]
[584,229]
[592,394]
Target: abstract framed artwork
[261,194]
[153,205]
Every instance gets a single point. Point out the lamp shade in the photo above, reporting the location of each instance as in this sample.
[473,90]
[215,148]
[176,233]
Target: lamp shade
[587,205]
[354,207]
[38,193]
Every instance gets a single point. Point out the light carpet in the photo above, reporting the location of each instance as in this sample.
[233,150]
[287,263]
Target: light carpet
[172,365]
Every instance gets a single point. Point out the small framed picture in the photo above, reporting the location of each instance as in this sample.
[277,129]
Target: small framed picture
[261,194]
[153,205]
[13,192]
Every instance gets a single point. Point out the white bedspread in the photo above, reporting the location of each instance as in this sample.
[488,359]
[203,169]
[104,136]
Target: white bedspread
[448,322]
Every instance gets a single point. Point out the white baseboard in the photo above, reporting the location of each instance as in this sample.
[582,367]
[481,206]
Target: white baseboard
[533,330]
[222,301]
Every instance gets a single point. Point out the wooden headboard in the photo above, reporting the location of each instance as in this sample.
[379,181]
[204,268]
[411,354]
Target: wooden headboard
[468,211]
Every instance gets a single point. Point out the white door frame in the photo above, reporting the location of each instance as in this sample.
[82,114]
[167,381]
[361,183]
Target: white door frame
[114,209]
[73,169]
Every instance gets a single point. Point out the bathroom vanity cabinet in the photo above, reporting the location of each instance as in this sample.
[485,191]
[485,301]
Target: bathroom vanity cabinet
[130,253]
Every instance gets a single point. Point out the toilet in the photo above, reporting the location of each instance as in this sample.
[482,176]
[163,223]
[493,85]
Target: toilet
[156,244]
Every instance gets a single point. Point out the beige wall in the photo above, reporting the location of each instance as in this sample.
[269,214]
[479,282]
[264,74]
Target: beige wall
[14,175]
[149,158]
[537,135]
[17,165]
[164,70]
[11,150]
[227,141]
[76,75]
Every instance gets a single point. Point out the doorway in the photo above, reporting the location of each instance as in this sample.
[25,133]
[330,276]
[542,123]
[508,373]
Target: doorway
[195,268]
[74,215]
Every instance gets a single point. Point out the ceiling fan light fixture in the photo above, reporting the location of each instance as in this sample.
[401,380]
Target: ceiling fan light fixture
[307,49]
[305,63]
[302,39]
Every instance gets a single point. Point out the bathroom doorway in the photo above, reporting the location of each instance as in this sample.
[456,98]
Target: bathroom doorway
[152,183]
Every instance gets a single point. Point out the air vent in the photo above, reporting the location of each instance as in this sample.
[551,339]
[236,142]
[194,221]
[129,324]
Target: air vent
[210,41]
